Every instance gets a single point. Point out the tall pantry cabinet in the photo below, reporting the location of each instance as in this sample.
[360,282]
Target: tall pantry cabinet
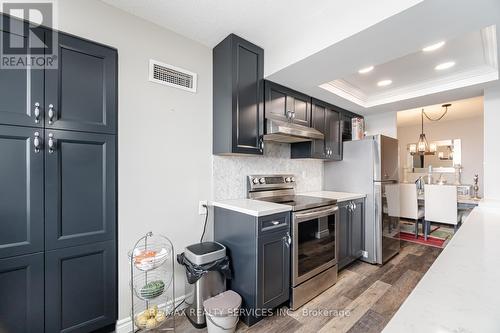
[58,191]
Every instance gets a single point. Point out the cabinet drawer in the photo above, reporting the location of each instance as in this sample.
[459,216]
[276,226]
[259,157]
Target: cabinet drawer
[274,222]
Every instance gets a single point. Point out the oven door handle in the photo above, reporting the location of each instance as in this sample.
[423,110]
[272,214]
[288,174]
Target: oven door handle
[301,217]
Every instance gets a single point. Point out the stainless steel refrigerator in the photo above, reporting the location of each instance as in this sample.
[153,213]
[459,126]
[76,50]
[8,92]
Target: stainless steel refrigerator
[370,166]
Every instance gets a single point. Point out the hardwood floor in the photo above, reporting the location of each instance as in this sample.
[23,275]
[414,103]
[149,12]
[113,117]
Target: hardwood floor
[364,298]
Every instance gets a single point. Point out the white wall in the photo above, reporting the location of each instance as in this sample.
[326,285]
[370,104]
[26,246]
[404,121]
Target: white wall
[164,134]
[469,130]
[229,172]
[382,123]
[492,142]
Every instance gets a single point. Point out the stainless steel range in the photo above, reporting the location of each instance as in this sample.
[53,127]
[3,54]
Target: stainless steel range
[314,235]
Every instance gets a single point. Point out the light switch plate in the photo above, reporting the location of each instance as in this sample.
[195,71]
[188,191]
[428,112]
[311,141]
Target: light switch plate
[364,254]
[202,210]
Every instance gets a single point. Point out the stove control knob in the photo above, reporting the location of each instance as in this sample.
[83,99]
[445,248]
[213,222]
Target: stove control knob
[292,179]
[262,180]
[288,179]
[255,180]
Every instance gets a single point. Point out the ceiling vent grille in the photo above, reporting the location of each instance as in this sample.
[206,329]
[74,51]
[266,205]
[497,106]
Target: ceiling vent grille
[172,76]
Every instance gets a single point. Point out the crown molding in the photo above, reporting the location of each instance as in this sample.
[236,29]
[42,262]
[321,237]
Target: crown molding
[480,74]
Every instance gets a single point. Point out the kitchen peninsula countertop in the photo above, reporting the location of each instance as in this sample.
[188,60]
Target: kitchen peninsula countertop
[459,293]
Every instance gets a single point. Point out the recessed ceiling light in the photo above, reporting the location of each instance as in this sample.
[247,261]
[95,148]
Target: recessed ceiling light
[384,83]
[444,65]
[433,47]
[365,70]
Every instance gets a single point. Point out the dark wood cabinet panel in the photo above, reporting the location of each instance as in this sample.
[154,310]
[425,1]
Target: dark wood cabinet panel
[273,270]
[21,89]
[22,294]
[333,139]
[351,231]
[80,188]
[21,191]
[81,282]
[285,104]
[81,92]
[238,71]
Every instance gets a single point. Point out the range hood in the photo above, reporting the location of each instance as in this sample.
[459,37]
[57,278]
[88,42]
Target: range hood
[288,132]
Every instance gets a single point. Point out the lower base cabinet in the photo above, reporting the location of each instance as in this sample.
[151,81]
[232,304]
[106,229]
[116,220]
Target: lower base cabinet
[22,294]
[80,287]
[351,231]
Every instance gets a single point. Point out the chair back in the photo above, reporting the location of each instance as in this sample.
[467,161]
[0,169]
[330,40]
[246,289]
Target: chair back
[441,203]
[409,201]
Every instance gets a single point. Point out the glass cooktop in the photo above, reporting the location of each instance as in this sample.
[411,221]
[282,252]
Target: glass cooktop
[300,202]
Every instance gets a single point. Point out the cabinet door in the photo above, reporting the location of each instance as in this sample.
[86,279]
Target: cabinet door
[282,102]
[357,229]
[248,98]
[333,139]
[80,188]
[81,286]
[22,290]
[318,122]
[83,89]
[344,242]
[21,89]
[273,270]
[346,127]
[21,191]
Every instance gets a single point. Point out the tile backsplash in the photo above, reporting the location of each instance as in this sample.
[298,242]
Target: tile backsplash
[229,172]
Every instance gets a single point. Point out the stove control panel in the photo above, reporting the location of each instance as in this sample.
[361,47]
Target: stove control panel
[256,182]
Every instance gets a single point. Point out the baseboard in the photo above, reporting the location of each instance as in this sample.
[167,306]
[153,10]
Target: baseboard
[125,325]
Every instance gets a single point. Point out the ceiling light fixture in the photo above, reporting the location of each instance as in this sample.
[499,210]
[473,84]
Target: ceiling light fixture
[365,70]
[444,65]
[384,83]
[423,147]
[433,47]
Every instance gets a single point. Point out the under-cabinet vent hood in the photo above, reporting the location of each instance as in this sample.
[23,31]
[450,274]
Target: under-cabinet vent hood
[288,132]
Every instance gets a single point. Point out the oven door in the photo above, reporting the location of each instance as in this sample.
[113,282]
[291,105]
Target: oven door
[315,234]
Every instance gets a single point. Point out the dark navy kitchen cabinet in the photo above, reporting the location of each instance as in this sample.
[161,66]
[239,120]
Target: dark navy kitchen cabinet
[238,101]
[80,184]
[81,94]
[273,280]
[58,190]
[326,119]
[259,251]
[22,294]
[351,234]
[21,89]
[285,104]
[21,190]
[80,288]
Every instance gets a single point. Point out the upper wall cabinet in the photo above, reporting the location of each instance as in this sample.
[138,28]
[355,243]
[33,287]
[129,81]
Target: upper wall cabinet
[21,89]
[326,119]
[287,105]
[80,94]
[238,102]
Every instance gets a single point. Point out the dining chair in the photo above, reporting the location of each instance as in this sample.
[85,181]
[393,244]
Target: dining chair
[409,205]
[440,206]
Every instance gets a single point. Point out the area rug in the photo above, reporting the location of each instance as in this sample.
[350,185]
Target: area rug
[439,236]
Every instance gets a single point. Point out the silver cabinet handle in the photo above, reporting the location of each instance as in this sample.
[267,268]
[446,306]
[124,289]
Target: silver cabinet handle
[287,239]
[51,114]
[275,222]
[51,143]
[289,114]
[293,114]
[36,112]
[354,205]
[36,142]
[261,145]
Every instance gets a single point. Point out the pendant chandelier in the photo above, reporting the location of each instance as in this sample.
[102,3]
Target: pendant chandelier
[423,147]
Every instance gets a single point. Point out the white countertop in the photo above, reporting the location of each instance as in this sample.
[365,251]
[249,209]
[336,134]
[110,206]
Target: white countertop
[461,291]
[264,208]
[252,207]
[339,196]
